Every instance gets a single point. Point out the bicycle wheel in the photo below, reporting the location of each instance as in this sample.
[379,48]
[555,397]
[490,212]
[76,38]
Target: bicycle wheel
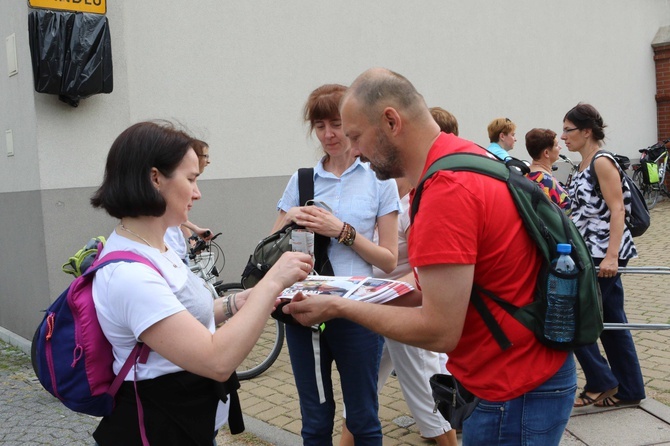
[267,348]
[649,192]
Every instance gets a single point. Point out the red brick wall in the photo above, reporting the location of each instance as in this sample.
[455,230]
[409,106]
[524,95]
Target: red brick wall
[662,61]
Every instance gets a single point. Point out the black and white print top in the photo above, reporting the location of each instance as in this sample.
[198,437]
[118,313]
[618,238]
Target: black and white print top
[592,216]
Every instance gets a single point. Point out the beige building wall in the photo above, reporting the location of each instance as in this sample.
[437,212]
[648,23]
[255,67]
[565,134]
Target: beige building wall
[237,75]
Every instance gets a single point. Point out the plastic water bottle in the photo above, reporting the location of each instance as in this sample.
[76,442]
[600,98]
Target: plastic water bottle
[559,324]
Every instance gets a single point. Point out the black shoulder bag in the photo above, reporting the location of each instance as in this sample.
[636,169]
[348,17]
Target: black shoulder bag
[268,251]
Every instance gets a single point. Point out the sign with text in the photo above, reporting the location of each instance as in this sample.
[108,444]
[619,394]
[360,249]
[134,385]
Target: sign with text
[92,6]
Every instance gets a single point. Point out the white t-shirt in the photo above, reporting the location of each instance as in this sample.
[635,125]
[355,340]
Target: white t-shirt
[174,238]
[131,297]
[403,267]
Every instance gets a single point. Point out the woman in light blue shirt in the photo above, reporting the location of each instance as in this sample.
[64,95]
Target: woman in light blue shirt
[502,134]
[358,202]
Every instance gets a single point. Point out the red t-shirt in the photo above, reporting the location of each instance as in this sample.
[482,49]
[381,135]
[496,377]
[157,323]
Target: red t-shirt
[469,218]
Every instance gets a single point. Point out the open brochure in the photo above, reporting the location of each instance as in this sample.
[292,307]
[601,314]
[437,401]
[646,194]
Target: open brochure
[364,289]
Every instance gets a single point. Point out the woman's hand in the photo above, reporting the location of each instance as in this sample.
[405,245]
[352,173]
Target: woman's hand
[608,267]
[318,220]
[285,218]
[291,267]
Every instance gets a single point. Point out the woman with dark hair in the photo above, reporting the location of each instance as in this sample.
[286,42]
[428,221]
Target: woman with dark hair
[599,214]
[542,146]
[150,185]
[359,202]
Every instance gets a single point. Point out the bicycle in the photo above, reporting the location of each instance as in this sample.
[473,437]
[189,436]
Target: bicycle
[649,174]
[204,258]
[574,168]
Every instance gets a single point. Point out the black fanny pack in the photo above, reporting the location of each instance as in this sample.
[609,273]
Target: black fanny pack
[454,401]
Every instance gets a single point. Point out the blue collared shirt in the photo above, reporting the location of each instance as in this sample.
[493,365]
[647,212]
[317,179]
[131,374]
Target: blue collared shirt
[358,198]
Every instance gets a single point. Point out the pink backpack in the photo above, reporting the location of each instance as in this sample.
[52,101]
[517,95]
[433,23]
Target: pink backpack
[72,357]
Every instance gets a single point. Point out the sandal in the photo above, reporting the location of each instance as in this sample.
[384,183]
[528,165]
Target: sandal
[584,400]
[610,401]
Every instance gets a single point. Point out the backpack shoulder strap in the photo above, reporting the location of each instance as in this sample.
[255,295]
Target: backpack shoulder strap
[119,256]
[305,184]
[471,162]
[594,175]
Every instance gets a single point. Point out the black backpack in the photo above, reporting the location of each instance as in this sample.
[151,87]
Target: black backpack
[638,219]
[547,226]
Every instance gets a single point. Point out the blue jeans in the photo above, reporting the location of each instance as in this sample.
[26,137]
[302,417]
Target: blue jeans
[356,352]
[537,417]
[624,367]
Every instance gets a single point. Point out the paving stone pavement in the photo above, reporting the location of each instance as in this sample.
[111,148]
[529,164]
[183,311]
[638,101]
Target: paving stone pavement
[30,416]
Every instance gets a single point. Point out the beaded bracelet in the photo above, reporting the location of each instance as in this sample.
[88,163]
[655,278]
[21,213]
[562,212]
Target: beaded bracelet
[339,237]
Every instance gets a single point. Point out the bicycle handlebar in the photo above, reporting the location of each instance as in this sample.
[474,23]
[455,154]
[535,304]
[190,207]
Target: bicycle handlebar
[200,245]
[658,145]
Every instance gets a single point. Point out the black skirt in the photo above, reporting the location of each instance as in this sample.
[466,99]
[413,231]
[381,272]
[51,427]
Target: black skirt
[179,409]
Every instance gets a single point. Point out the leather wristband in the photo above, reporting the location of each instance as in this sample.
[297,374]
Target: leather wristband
[351,236]
[347,236]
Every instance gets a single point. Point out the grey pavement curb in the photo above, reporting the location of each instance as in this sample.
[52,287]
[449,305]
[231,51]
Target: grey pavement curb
[657,409]
[269,433]
[17,341]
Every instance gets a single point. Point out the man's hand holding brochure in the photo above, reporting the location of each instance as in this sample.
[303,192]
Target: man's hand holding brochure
[364,289]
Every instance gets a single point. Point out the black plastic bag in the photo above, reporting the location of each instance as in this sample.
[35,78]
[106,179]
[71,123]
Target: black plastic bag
[47,31]
[71,54]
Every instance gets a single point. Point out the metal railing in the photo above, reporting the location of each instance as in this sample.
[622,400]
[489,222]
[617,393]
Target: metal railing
[634,325]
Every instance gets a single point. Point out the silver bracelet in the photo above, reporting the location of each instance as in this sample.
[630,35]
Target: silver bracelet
[232,298]
[228,312]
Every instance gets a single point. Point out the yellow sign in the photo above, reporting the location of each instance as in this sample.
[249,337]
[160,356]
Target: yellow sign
[93,6]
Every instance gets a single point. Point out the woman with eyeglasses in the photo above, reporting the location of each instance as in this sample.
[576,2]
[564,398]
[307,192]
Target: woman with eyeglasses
[358,202]
[599,214]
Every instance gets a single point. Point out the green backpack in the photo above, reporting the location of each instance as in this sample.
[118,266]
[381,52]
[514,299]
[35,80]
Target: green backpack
[547,226]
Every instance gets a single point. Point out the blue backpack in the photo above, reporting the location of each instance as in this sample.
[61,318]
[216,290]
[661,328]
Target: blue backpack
[71,356]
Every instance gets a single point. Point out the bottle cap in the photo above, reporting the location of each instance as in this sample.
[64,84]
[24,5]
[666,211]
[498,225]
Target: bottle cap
[564,248]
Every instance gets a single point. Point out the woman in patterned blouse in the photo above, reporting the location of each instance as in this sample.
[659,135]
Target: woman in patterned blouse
[542,146]
[599,214]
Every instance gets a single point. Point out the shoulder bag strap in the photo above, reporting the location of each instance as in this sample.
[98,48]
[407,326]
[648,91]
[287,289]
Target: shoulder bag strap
[306,184]
[306,190]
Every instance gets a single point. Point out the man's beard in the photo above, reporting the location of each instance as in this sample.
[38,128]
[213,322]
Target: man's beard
[386,158]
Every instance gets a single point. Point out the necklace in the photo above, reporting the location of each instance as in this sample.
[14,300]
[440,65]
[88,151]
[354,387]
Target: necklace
[588,158]
[145,241]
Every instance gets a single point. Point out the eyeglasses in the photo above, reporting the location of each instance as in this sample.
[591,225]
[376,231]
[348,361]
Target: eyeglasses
[204,156]
[570,130]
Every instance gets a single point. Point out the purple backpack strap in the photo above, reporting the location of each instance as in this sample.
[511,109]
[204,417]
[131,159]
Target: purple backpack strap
[140,352]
